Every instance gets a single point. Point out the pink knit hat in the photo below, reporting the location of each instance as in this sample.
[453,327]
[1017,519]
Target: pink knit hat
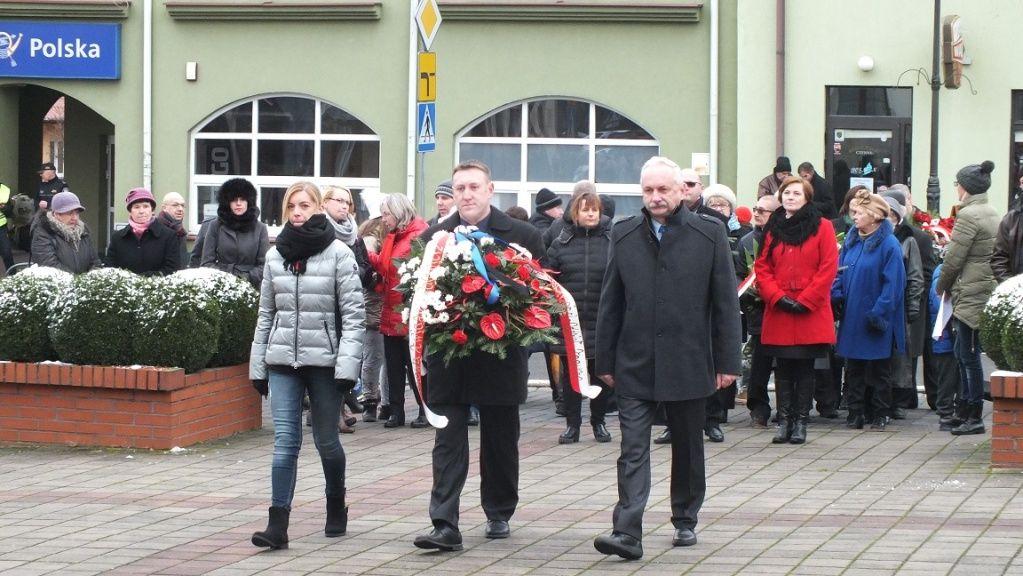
[140,195]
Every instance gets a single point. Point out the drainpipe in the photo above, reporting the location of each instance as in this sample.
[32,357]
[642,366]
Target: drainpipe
[779,78]
[410,155]
[714,89]
[147,94]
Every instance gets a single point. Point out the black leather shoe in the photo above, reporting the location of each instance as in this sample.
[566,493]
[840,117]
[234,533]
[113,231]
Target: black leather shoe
[420,421]
[600,433]
[664,438]
[394,421]
[497,529]
[684,537]
[880,423]
[714,433]
[620,545]
[569,436]
[445,539]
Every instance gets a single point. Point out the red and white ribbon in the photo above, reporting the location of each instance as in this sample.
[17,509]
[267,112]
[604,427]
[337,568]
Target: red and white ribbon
[432,257]
[572,332]
[747,283]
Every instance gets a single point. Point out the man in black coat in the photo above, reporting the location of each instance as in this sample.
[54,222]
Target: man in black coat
[822,196]
[667,331]
[496,386]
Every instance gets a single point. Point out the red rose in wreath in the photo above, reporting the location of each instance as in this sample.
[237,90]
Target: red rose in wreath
[536,318]
[492,260]
[472,283]
[492,326]
[459,337]
[510,254]
[523,272]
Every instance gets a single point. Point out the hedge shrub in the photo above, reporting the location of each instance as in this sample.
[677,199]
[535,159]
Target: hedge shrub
[1001,325]
[238,308]
[96,322]
[25,301]
[178,325]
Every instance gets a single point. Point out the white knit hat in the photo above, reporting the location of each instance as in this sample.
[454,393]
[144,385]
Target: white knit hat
[719,191]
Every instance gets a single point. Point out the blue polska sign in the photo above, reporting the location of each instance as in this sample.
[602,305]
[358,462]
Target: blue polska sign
[60,50]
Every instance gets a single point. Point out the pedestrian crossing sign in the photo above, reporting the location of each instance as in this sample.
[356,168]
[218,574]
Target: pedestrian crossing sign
[427,127]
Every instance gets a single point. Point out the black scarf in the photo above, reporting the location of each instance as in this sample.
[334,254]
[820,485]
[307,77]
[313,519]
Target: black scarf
[795,229]
[243,223]
[297,243]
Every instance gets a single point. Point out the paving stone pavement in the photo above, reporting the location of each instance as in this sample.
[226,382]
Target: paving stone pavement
[910,500]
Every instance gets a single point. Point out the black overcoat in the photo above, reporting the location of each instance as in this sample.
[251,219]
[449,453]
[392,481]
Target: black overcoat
[156,253]
[669,313]
[483,378]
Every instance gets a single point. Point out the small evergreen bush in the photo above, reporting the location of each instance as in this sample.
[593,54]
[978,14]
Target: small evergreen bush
[96,321]
[1001,325]
[25,301]
[238,308]
[178,325]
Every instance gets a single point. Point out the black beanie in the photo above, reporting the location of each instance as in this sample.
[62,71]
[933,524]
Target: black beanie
[976,178]
[782,164]
[545,200]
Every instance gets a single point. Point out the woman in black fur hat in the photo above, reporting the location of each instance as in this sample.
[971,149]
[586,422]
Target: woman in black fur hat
[237,241]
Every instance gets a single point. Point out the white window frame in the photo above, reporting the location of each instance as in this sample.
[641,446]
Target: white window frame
[253,135]
[525,188]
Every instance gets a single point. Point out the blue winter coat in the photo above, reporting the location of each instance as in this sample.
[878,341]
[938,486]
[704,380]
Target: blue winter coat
[944,344]
[871,285]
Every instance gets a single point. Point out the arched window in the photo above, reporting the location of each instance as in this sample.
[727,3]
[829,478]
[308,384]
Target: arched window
[553,143]
[273,141]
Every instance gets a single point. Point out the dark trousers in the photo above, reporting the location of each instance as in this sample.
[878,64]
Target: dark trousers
[499,462]
[758,400]
[825,390]
[688,479]
[574,400]
[945,371]
[875,374]
[398,362]
[930,377]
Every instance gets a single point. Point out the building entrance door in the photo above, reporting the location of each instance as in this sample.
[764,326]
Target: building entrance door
[868,136]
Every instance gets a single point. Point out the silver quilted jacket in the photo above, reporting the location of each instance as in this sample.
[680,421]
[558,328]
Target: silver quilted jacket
[298,315]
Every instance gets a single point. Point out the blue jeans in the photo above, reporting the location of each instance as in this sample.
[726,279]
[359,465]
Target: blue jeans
[967,352]
[287,387]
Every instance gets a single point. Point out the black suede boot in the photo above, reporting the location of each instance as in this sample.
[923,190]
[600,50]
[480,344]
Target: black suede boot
[337,517]
[804,398]
[783,391]
[276,534]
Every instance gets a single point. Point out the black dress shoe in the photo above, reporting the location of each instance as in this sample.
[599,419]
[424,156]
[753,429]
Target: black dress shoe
[569,436]
[664,438]
[497,529]
[714,433]
[445,539]
[419,422]
[620,545]
[684,537]
[394,421]
[600,433]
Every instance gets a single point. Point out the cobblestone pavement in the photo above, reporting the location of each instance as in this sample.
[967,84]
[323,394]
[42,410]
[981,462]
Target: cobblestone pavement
[910,500]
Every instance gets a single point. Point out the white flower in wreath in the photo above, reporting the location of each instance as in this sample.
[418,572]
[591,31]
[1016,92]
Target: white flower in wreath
[404,315]
[443,317]
[413,262]
[486,240]
[405,278]
[437,273]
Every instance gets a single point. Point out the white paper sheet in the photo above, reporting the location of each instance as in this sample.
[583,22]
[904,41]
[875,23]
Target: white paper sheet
[944,315]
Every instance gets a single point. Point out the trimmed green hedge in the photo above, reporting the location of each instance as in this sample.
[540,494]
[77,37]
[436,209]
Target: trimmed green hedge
[192,319]
[1001,325]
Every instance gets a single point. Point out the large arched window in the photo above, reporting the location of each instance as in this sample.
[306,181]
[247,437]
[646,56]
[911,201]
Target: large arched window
[274,141]
[553,143]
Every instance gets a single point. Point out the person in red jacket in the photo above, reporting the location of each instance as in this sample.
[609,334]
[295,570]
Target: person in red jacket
[403,227]
[795,270]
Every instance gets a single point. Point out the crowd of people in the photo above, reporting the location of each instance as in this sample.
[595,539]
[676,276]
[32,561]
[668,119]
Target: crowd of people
[835,296]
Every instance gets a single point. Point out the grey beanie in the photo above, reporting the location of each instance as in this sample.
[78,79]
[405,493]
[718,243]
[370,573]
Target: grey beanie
[896,206]
[445,188]
[898,192]
[976,178]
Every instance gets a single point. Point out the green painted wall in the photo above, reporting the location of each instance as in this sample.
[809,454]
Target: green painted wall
[824,39]
[9,143]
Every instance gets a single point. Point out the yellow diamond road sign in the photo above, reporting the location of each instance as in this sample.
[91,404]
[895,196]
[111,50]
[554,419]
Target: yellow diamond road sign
[428,19]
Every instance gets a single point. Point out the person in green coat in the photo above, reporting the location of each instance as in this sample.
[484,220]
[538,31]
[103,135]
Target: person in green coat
[967,276]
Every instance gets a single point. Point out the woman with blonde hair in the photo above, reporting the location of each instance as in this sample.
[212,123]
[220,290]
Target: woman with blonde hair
[308,339]
[403,227]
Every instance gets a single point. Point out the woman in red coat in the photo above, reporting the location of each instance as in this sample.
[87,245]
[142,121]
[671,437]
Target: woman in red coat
[795,269]
[403,227]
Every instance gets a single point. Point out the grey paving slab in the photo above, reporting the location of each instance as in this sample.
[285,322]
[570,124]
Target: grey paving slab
[910,500]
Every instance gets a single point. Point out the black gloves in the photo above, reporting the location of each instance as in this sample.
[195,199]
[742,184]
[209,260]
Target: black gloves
[876,324]
[344,385]
[261,386]
[789,305]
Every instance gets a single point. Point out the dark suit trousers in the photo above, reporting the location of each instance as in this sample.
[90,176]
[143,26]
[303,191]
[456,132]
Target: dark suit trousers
[499,462]
[688,479]
[758,400]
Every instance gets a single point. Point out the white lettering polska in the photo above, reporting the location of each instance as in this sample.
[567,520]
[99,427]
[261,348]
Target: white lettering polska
[62,49]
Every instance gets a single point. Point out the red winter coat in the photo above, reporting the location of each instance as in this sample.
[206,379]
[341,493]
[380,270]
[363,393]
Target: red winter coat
[396,246]
[805,274]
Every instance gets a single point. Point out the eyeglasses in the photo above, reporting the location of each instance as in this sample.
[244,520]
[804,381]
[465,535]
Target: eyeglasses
[759,210]
[690,184]
[341,200]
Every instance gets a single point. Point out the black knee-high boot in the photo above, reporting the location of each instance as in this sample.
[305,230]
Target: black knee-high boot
[783,390]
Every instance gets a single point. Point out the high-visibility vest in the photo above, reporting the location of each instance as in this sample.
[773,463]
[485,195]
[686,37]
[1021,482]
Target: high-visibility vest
[5,197]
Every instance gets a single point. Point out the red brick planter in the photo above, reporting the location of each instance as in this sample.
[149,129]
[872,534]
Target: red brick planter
[1007,421]
[124,407]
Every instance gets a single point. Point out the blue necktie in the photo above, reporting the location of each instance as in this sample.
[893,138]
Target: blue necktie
[660,231]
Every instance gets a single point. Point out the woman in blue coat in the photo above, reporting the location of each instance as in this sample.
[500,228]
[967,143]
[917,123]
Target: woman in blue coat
[870,290]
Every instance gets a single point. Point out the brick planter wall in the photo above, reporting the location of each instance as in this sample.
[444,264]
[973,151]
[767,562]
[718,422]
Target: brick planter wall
[124,407]
[1007,420]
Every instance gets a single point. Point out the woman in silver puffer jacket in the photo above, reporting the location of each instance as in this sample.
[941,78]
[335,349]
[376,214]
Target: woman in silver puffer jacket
[308,340]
